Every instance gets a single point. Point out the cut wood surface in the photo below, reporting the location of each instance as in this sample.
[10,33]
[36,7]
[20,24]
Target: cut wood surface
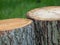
[17,31]
[47,25]
[45,13]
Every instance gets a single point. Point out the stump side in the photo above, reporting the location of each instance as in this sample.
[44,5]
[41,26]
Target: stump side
[47,32]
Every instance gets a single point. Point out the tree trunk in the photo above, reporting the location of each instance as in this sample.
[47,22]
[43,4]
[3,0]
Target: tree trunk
[47,30]
[17,32]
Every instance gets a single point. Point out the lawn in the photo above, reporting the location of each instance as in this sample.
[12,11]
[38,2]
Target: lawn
[19,8]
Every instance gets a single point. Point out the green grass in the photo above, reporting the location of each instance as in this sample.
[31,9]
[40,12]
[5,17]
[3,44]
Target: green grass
[19,8]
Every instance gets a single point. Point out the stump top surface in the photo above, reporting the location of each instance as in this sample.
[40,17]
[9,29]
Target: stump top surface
[9,24]
[45,13]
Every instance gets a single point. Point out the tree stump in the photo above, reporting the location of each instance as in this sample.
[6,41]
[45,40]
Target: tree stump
[17,32]
[47,25]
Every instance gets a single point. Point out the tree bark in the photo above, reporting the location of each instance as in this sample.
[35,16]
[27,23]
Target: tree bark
[17,36]
[47,30]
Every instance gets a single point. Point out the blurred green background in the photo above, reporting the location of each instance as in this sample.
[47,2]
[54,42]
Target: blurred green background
[19,8]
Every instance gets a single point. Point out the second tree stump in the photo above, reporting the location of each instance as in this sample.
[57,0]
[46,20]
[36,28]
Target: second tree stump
[17,32]
[47,25]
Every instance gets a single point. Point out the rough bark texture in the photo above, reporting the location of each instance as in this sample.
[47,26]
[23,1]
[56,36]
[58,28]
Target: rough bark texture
[47,32]
[47,25]
[19,36]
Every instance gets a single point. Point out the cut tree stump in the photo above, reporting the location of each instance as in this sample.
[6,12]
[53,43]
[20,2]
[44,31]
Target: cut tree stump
[47,25]
[17,31]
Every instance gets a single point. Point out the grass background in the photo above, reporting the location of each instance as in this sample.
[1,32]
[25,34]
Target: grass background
[19,8]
